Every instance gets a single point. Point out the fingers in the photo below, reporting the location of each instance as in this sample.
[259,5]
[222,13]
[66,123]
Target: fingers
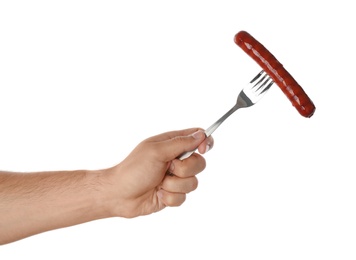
[173,147]
[172,144]
[181,180]
[175,184]
[171,199]
[172,134]
[188,167]
[174,189]
[206,145]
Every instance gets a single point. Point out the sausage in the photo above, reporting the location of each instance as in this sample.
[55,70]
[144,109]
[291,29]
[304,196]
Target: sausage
[277,72]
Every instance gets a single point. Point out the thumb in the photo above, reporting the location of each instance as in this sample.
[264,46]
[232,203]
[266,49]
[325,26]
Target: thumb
[175,146]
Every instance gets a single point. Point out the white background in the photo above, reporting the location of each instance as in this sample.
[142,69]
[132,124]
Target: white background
[83,82]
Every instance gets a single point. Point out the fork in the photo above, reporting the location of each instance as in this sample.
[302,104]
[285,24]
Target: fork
[248,96]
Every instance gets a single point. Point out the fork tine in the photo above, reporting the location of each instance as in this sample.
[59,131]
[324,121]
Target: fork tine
[263,84]
[268,86]
[257,76]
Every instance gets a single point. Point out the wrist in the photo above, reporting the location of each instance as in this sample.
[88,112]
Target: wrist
[109,199]
[115,193]
[101,197]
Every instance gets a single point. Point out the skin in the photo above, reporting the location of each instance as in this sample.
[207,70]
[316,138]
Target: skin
[149,179]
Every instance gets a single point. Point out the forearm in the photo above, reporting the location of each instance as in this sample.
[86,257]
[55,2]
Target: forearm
[32,203]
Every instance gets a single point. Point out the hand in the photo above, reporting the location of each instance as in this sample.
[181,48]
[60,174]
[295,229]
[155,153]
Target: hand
[151,177]
[148,180]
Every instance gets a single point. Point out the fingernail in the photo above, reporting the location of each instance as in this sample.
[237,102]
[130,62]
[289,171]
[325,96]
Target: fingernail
[207,148]
[198,134]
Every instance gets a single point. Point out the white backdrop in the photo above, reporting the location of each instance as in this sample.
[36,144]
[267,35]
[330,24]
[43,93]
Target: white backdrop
[83,82]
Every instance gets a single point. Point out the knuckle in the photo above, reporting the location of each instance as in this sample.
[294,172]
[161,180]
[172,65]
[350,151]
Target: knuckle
[175,200]
[194,184]
[191,166]
[202,164]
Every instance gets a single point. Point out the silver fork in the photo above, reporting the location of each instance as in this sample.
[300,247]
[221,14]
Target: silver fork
[248,96]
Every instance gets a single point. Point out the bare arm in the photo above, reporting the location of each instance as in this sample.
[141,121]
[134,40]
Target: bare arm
[31,203]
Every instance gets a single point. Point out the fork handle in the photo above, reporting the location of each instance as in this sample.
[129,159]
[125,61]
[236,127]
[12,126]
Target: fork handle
[214,126]
[186,155]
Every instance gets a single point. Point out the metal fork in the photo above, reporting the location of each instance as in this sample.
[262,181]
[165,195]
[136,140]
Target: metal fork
[248,96]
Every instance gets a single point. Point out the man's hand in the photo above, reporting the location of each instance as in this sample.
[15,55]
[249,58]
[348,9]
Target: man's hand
[151,177]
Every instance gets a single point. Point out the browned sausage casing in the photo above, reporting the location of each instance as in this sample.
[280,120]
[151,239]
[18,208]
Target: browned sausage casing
[277,72]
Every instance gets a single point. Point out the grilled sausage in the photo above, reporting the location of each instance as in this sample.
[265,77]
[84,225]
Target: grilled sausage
[277,72]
